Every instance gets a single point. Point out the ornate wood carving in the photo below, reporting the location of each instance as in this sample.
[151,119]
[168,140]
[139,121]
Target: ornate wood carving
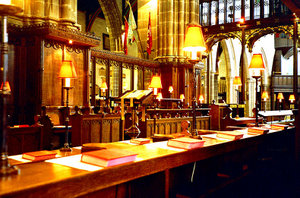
[124,58]
[55,32]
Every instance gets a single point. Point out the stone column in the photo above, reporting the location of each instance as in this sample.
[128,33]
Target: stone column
[67,8]
[38,8]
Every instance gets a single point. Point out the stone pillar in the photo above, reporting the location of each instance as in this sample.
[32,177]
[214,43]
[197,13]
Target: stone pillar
[38,8]
[52,10]
[67,10]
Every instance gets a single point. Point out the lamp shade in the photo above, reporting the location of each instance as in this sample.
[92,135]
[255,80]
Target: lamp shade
[292,98]
[280,97]
[194,40]
[67,70]
[159,96]
[182,97]
[257,62]
[265,95]
[171,89]
[155,84]
[237,81]
[6,87]
[201,98]
[103,86]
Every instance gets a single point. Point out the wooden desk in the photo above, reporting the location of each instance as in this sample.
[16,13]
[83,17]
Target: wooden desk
[159,172]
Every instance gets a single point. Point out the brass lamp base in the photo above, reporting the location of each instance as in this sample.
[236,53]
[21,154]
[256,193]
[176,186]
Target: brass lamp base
[6,169]
[66,148]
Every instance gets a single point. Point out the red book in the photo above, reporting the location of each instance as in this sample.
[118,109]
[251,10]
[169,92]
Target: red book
[108,157]
[279,126]
[257,131]
[230,135]
[140,141]
[185,143]
[39,155]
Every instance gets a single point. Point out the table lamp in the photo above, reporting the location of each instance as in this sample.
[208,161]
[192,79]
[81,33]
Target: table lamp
[181,97]
[256,63]
[155,84]
[280,98]
[201,99]
[103,90]
[237,82]
[292,99]
[171,89]
[67,72]
[265,96]
[194,42]
[159,97]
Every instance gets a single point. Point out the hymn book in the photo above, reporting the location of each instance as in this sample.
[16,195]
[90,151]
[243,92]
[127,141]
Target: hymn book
[108,157]
[185,143]
[230,135]
[140,141]
[279,126]
[257,131]
[39,155]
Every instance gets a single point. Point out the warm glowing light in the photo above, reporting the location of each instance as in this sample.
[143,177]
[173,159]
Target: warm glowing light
[67,82]
[5,2]
[237,81]
[194,40]
[182,97]
[171,89]
[103,87]
[242,20]
[280,97]
[155,84]
[70,41]
[201,99]
[257,62]
[6,87]
[67,71]
[292,98]
[159,97]
[265,95]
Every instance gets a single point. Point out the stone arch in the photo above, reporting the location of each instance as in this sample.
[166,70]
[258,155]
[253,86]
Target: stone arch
[257,34]
[211,40]
[113,19]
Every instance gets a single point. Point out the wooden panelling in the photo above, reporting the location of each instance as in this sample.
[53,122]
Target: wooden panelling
[25,139]
[171,125]
[95,128]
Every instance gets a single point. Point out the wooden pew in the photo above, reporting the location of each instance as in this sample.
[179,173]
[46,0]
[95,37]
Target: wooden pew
[95,128]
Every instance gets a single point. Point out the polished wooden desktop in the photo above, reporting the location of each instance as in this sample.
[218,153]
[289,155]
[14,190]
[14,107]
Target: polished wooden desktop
[158,172]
